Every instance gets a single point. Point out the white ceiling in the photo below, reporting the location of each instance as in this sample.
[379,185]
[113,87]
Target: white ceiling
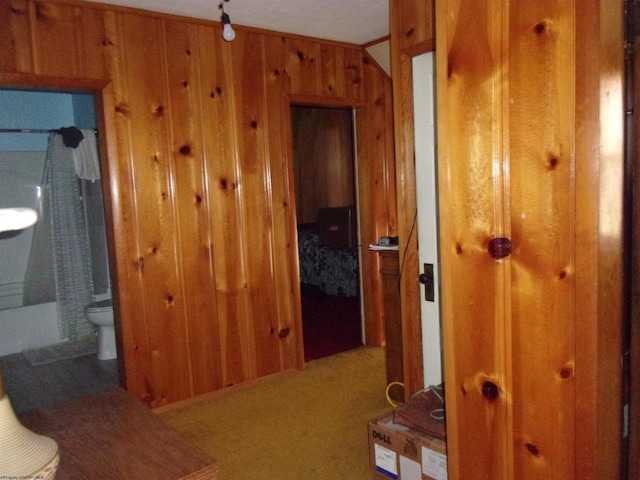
[351,21]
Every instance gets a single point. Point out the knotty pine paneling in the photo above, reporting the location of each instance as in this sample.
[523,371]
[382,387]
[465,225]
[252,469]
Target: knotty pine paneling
[49,38]
[377,188]
[189,98]
[529,134]
[305,67]
[15,37]
[287,285]
[64,45]
[154,266]
[414,24]
[541,211]
[341,72]
[201,181]
[471,172]
[252,151]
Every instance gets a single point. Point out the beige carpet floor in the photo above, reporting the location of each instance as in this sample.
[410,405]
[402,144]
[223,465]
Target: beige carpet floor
[307,425]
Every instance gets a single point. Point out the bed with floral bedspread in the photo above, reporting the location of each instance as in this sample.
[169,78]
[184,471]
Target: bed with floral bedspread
[334,270]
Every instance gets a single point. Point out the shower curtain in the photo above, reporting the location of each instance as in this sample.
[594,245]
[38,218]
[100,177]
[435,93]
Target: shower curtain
[66,265]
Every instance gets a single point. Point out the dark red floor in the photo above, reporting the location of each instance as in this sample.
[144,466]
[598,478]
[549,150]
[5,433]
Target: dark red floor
[330,324]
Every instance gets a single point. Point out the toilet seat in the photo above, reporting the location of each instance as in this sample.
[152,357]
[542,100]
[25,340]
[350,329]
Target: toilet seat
[101,306]
[100,314]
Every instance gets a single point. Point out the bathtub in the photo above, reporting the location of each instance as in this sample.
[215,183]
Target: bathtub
[28,327]
[37,325]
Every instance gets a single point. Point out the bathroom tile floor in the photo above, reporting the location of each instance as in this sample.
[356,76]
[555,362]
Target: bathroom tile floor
[31,387]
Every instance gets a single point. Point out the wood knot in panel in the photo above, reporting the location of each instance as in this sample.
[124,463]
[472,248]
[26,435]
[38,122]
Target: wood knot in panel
[123,109]
[500,247]
[410,33]
[532,449]
[366,60]
[553,162]
[459,249]
[544,31]
[185,150]
[139,263]
[563,275]
[45,11]
[540,28]
[159,110]
[198,198]
[302,57]
[188,52]
[169,300]
[284,333]
[490,391]
[16,9]
[254,124]
[185,84]
[565,373]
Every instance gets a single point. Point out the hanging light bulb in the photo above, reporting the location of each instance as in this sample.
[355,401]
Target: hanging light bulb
[228,33]
[227,30]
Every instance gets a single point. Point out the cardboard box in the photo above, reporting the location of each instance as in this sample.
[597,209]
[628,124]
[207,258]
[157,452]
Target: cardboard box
[403,453]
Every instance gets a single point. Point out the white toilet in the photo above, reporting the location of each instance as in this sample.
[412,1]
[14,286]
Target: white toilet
[100,314]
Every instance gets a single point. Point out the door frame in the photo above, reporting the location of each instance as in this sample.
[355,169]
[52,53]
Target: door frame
[372,324]
[402,73]
[293,193]
[104,111]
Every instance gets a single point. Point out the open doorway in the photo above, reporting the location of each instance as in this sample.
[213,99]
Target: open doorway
[327,225]
[45,339]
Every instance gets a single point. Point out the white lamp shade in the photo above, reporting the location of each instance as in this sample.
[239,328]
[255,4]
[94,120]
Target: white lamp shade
[24,454]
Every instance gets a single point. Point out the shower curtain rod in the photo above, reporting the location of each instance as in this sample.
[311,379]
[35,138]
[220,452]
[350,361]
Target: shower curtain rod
[33,130]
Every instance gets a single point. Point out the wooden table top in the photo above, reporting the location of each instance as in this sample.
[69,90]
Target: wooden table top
[113,436]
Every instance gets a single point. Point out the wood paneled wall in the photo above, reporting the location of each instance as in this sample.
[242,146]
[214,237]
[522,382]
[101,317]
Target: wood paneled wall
[197,136]
[530,117]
